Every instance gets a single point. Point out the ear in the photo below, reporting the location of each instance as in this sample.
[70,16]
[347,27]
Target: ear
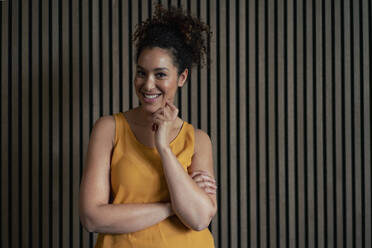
[182,78]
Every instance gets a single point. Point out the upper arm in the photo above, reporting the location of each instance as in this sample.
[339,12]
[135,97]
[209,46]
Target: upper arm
[95,182]
[203,157]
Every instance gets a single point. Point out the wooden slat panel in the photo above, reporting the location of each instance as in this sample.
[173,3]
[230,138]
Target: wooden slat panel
[286,103]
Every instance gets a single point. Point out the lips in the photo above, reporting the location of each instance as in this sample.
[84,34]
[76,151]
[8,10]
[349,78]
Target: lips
[151,98]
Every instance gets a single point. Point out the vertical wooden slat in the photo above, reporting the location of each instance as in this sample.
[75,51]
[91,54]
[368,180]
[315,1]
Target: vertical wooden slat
[280,116]
[183,95]
[35,123]
[55,125]
[24,90]
[132,67]
[347,132]
[46,105]
[329,162]
[261,139]
[5,182]
[231,120]
[105,59]
[293,213]
[85,94]
[1,122]
[338,122]
[125,55]
[65,121]
[76,115]
[319,121]
[213,114]
[367,65]
[15,170]
[286,103]
[270,119]
[241,123]
[222,110]
[357,130]
[252,122]
[115,43]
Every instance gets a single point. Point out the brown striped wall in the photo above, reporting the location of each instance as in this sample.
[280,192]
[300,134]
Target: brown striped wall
[286,101]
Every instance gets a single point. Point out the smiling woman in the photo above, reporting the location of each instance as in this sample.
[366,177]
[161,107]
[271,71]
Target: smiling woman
[148,179]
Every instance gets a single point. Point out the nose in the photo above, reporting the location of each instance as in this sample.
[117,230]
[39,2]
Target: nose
[149,83]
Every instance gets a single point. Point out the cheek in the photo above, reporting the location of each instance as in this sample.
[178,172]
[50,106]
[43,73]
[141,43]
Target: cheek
[169,87]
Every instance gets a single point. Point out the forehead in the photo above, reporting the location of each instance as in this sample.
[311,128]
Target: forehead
[151,58]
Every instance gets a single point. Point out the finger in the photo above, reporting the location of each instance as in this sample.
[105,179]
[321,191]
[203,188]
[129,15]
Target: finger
[160,118]
[158,121]
[203,179]
[207,184]
[162,112]
[164,102]
[203,176]
[159,111]
[173,108]
[171,105]
[209,190]
[204,172]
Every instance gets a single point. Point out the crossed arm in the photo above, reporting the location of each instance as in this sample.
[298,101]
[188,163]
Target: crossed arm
[193,196]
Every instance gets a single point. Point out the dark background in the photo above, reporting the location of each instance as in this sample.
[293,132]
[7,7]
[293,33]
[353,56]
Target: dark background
[286,101]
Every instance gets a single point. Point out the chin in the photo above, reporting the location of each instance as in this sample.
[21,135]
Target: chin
[149,108]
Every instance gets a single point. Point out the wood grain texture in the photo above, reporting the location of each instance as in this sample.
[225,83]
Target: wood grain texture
[286,102]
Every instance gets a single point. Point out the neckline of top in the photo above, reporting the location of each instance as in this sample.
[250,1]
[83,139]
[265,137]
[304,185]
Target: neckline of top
[148,147]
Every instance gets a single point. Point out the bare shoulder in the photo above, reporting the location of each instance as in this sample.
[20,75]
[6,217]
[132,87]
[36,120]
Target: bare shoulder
[105,127]
[202,141]
[202,160]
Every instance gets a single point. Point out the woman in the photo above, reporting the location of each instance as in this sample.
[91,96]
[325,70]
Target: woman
[148,179]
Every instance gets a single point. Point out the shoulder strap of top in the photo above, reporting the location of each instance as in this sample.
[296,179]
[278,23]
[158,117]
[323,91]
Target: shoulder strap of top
[119,126]
[188,140]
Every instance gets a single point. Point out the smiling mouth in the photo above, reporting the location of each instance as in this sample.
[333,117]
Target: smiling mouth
[151,96]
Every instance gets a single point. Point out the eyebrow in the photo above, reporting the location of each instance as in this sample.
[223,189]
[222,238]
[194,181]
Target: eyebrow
[156,69]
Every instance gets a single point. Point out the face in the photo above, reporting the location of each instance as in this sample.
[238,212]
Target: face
[156,78]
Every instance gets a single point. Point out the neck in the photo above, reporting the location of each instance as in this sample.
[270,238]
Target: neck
[144,117]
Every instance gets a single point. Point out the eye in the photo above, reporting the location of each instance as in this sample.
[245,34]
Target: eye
[161,74]
[140,73]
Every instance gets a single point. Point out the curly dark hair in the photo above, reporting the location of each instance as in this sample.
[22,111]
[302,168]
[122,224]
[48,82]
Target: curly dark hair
[185,36]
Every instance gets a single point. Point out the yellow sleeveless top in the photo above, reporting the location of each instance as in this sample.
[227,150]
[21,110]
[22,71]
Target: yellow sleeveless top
[137,177]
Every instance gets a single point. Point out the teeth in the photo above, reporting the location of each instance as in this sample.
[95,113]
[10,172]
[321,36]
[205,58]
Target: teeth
[151,96]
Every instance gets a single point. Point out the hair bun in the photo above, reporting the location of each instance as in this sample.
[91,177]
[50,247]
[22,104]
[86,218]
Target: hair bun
[173,29]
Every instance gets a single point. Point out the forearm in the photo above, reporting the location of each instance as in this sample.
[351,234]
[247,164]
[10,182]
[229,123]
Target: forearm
[189,202]
[126,218]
